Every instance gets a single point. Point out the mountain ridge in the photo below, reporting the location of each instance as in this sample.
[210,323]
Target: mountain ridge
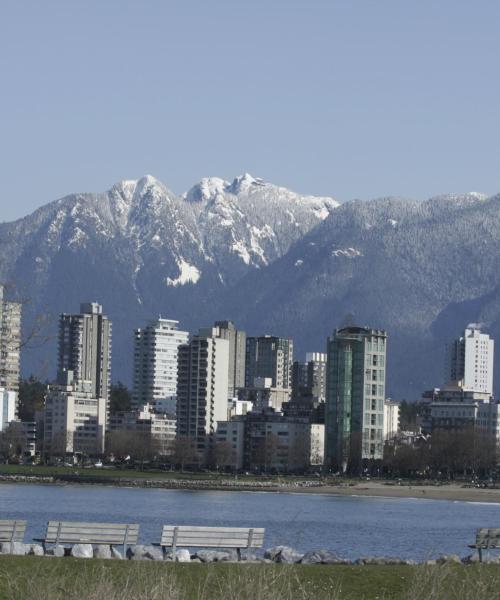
[272,260]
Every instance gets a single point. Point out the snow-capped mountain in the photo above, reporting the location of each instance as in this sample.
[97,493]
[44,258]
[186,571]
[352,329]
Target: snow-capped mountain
[272,260]
[141,250]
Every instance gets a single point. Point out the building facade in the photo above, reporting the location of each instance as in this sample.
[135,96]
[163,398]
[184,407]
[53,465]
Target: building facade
[237,354]
[355,394]
[159,428]
[10,343]
[309,378]
[8,407]
[391,419]
[155,365]
[202,387]
[85,347]
[74,418]
[269,357]
[471,360]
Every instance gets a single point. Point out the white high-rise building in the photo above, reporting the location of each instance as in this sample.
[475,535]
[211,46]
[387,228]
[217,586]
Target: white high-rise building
[391,418]
[10,343]
[471,360]
[8,401]
[155,364]
[202,386]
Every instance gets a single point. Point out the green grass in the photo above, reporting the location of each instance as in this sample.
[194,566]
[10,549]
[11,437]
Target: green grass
[42,470]
[73,579]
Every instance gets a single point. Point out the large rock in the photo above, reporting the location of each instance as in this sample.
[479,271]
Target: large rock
[321,557]
[15,548]
[116,553]
[215,556]
[449,559]
[82,551]
[381,560]
[102,551]
[58,551]
[283,554]
[183,555]
[141,552]
[36,550]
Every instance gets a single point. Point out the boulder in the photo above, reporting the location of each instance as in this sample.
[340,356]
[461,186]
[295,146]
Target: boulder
[215,556]
[36,550]
[82,551]
[58,551]
[283,554]
[15,548]
[449,559]
[183,555]
[102,551]
[116,553]
[142,552]
[320,557]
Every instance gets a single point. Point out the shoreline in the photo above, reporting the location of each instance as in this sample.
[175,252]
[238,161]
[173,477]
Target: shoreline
[452,492]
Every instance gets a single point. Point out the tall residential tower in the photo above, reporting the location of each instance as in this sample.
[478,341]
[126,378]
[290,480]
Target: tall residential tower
[155,364]
[85,347]
[202,384]
[355,393]
[471,360]
[269,357]
[10,343]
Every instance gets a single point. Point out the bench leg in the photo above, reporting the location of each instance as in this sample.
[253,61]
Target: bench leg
[238,552]
[480,551]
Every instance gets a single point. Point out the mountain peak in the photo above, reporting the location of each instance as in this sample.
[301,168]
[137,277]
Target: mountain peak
[244,182]
[206,189]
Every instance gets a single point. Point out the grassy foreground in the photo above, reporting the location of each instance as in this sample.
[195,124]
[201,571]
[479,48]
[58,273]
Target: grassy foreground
[72,579]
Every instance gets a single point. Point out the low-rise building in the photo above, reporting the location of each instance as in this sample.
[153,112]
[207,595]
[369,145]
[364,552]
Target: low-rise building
[268,441]
[160,428]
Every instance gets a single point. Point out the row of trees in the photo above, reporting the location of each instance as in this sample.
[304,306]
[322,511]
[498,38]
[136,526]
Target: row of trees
[450,454]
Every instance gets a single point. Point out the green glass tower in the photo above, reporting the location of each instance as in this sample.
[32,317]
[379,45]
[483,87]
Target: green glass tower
[355,393]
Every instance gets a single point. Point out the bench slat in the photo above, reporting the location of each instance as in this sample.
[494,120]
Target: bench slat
[72,532]
[12,530]
[211,537]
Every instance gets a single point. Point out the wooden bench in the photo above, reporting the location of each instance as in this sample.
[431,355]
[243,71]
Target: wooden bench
[486,539]
[12,531]
[111,534]
[211,537]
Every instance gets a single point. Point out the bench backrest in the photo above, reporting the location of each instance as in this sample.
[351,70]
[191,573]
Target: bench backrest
[488,538]
[212,537]
[12,531]
[71,532]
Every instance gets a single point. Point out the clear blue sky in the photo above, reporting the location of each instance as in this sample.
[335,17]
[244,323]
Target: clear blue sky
[350,98]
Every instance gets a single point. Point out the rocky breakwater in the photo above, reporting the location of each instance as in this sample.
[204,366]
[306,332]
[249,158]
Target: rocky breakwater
[274,555]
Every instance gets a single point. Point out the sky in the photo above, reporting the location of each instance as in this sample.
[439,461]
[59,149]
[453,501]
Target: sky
[346,98]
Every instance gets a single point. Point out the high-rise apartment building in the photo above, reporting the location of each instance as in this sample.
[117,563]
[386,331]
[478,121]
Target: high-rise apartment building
[355,397]
[309,378]
[155,365]
[202,384]
[269,357]
[471,360]
[85,347]
[237,354]
[10,343]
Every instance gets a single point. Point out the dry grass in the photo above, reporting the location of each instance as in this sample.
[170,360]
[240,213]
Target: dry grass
[33,578]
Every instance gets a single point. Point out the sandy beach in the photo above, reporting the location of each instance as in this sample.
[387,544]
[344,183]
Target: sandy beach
[450,491]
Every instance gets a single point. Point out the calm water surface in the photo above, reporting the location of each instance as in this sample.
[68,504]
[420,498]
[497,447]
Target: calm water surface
[351,526]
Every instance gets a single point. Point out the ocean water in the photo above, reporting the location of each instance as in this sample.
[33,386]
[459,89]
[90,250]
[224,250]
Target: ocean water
[351,526]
